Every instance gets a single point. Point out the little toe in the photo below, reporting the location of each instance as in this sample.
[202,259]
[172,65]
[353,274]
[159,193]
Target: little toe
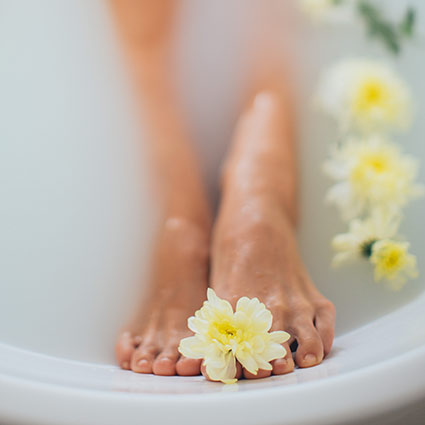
[188,367]
[143,358]
[310,348]
[165,362]
[124,349]
[284,365]
[325,325]
[260,374]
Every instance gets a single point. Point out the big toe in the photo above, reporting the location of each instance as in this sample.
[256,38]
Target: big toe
[188,367]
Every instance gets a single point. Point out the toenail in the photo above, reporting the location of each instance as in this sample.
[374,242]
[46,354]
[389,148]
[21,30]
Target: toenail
[310,359]
[164,359]
[142,362]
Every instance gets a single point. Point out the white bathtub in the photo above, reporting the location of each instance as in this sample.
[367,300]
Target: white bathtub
[75,219]
[375,375]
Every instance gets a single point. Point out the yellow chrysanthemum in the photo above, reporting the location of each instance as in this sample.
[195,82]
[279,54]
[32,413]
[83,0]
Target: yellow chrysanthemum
[393,262]
[371,173]
[362,234]
[366,95]
[223,336]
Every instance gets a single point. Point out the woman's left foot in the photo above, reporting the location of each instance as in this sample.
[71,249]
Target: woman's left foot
[254,251]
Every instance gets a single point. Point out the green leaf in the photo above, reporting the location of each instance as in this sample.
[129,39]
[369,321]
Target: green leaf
[407,25]
[378,27]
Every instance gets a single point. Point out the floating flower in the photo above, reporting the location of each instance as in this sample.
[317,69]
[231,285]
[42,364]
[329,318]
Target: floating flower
[393,262]
[371,173]
[362,235]
[223,336]
[365,95]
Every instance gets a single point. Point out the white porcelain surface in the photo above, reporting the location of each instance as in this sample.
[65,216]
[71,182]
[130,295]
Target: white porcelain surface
[75,220]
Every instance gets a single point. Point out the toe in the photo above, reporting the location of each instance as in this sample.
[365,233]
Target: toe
[239,372]
[260,374]
[325,325]
[124,349]
[188,367]
[143,358]
[165,362]
[310,348]
[277,325]
[284,365]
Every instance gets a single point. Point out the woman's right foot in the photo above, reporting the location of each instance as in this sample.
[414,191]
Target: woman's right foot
[180,262]
[254,251]
[179,283]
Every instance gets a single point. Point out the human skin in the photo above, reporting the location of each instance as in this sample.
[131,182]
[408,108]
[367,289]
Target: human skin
[178,282]
[253,250]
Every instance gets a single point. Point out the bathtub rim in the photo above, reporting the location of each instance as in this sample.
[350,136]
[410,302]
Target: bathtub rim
[394,383]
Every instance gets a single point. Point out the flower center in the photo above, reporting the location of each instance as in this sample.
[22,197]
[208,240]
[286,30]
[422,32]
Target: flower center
[371,168]
[223,331]
[376,164]
[393,259]
[372,94]
[390,258]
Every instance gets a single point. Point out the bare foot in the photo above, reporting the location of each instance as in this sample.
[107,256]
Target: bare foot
[180,261]
[179,282]
[254,250]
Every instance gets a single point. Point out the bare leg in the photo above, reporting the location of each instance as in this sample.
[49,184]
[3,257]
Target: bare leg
[254,251]
[180,262]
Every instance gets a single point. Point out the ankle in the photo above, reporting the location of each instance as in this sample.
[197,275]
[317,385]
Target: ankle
[192,237]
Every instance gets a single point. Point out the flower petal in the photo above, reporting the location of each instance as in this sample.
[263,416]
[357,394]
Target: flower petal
[192,347]
[197,325]
[279,337]
[248,362]
[218,303]
[226,373]
[273,352]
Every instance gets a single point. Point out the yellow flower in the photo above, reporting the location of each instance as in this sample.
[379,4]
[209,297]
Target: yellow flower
[393,262]
[362,235]
[223,336]
[366,95]
[371,173]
